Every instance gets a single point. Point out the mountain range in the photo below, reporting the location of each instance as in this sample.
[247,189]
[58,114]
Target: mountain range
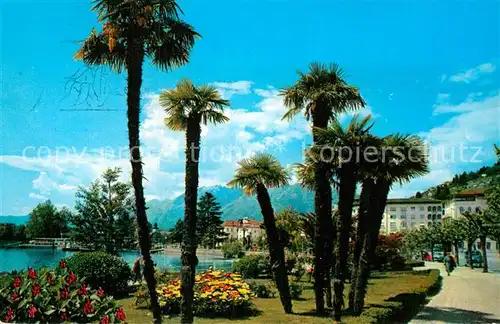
[235,205]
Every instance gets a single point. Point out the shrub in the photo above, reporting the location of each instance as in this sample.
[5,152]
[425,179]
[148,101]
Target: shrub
[252,266]
[295,290]
[262,291]
[232,250]
[215,293]
[102,270]
[51,296]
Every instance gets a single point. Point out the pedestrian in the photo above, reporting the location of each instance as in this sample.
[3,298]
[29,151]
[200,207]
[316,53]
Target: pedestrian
[449,263]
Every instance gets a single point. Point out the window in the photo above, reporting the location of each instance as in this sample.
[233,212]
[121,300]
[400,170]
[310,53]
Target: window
[403,224]
[433,216]
[429,208]
[403,209]
[488,245]
[439,208]
[469,209]
[422,208]
[461,210]
[478,245]
[403,216]
[433,208]
[393,217]
[422,216]
[429,216]
[393,226]
[438,216]
[392,209]
[413,216]
[413,208]
[478,209]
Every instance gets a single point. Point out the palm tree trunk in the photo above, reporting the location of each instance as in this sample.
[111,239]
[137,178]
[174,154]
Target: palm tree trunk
[378,200]
[328,288]
[469,253]
[482,240]
[324,228]
[361,231]
[346,200]
[188,247]
[276,249]
[135,58]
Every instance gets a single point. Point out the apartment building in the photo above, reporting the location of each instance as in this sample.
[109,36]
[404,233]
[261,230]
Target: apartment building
[471,201]
[406,213]
[238,229]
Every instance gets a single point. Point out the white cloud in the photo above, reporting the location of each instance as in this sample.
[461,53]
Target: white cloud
[228,89]
[463,141]
[367,110]
[473,73]
[34,195]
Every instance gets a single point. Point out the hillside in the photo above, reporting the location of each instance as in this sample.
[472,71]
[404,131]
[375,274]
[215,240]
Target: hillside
[485,177]
[235,205]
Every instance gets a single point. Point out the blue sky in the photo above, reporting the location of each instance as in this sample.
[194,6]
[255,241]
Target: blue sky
[424,67]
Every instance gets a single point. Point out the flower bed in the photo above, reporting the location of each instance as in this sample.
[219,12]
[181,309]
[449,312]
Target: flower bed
[54,296]
[215,293]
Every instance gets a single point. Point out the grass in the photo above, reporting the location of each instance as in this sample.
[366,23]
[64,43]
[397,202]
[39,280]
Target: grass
[381,287]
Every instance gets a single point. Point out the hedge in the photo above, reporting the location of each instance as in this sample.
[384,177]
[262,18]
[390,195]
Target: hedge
[401,308]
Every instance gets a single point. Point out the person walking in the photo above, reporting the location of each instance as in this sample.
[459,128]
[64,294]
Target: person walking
[449,263]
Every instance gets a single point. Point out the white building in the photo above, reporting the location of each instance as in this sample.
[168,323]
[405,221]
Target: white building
[471,201]
[405,213]
[238,229]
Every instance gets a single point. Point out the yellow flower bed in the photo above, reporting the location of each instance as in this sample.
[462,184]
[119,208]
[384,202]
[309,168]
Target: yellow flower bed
[215,292]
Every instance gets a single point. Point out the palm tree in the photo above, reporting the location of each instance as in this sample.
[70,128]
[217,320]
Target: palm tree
[133,30]
[321,94]
[188,107]
[400,159]
[342,144]
[255,175]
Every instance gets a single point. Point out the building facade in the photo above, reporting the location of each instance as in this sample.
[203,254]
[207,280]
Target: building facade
[243,228]
[471,201]
[405,213]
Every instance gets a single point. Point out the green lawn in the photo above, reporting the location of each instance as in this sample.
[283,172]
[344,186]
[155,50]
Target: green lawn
[381,287]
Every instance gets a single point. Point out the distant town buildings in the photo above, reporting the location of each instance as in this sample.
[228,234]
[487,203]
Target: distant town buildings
[406,213]
[243,228]
[471,201]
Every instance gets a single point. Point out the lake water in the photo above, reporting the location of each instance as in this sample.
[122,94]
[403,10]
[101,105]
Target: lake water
[19,259]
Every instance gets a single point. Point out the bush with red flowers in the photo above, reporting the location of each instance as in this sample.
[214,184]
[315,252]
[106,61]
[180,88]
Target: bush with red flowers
[54,296]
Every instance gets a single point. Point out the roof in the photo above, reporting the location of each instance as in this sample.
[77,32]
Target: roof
[471,192]
[242,223]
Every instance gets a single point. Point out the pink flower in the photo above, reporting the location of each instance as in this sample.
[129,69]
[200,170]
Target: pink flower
[100,292]
[120,314]
[88,308]
[64,294]
[36,290]
[71,278]
[105,320]
[83,290]
[62,264]
[32,273]
[10,315]
[32,311]
[64,316]
[15,296]
[17,282]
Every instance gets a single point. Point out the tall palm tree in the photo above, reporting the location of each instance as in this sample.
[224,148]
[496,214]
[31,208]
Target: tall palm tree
[255,175]
[188,107]
[131,31]
[321,94]
[400,159]
[343,145]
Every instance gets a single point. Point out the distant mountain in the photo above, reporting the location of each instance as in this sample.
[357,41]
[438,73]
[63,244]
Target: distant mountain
[235,205]
[17,220]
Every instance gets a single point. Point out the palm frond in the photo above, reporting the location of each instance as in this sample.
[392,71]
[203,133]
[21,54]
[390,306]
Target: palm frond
[95,51]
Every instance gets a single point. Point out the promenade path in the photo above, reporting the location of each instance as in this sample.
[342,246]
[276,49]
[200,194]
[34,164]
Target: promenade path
[467,296]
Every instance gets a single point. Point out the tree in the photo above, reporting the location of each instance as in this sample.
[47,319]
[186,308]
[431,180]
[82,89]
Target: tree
[209,229]
[322,94]
[486,223]
[255,175]
[418,194]
[46,221]
[400,159]
[12,232]
[104,218]
[454,233]
[133,30]
[188,107]
[175,233]
[338,145]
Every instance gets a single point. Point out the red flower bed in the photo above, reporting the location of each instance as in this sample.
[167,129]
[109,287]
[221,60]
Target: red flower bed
[54,296]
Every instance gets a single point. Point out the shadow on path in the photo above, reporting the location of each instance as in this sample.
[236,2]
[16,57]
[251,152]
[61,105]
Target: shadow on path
[453,315]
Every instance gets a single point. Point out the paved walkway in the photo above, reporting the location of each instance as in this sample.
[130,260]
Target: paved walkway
[467,296]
